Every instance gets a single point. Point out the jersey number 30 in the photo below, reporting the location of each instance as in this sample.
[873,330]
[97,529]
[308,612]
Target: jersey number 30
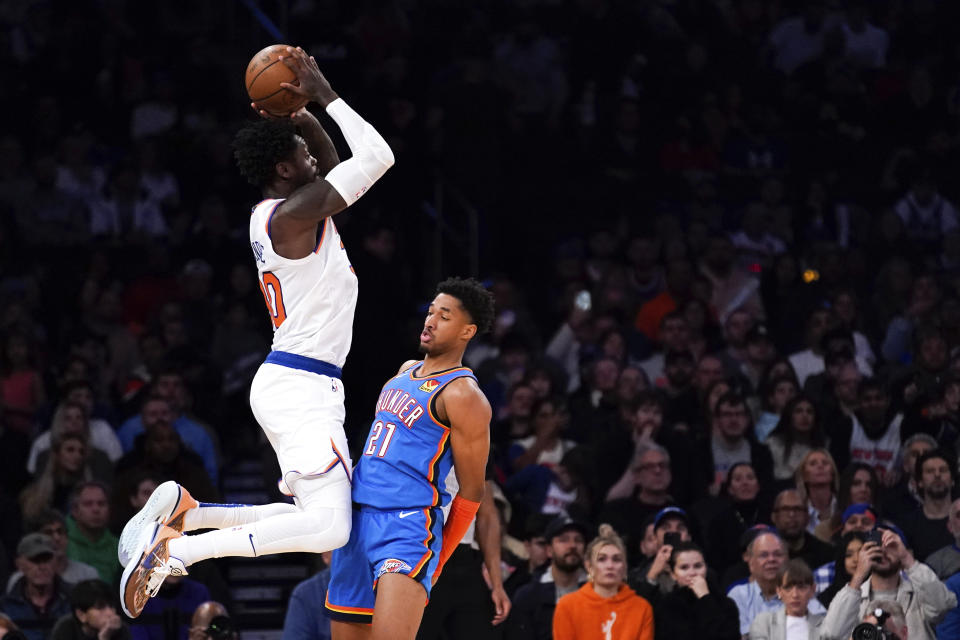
[273,296]
[380,429]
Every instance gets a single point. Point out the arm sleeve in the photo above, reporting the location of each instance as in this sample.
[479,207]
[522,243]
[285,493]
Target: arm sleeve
[842,616]
[934,597]
[371,158]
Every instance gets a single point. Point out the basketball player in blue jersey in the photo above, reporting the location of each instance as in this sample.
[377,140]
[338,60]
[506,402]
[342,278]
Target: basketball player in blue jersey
[297,396]
[430,417]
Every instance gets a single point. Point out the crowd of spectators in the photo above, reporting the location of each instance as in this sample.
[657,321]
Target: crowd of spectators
[724,244]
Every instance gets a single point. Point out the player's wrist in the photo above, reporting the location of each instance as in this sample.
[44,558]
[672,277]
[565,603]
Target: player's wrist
[326,98]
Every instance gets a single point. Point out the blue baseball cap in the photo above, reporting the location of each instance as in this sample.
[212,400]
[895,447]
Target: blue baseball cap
[859,507]
[667,513]
[889,526]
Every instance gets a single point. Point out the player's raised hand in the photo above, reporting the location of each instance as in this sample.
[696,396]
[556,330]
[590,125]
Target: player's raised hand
[310,81]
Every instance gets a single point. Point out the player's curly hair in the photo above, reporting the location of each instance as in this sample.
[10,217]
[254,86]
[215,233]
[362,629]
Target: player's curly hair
[260,145]
[475,299]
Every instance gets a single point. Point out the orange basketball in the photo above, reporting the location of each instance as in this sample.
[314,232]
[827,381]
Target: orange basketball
[265,72]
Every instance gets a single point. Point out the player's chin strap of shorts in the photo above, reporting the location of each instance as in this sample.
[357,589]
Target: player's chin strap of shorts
[462,513]
[371,153]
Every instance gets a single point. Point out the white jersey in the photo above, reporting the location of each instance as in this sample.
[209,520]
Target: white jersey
[310,300]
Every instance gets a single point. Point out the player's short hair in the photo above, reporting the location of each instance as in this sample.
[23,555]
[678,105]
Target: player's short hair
[260,145]
[474,297]
[90,594]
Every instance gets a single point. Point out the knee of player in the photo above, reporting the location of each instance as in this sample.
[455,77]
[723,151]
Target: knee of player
[332,527]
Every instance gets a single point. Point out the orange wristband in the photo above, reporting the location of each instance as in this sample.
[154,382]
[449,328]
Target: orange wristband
[462,512]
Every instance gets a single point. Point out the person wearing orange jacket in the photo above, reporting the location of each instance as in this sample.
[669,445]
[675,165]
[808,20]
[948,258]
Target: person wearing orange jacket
[605,607]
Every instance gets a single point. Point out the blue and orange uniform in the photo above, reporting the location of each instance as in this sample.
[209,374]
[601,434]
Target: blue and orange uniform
[398,490]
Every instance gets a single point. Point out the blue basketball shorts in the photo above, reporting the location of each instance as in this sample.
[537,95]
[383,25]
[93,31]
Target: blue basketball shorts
[407,541]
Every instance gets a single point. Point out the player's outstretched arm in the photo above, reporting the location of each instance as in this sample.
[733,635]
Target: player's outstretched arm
[350,179]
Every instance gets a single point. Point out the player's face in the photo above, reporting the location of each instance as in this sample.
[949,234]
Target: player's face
[446,324]
[304,164]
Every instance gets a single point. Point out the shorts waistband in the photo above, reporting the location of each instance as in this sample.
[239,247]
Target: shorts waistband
[304,363]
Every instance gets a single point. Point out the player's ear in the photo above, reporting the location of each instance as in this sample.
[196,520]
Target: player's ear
[283,169]
[469,330]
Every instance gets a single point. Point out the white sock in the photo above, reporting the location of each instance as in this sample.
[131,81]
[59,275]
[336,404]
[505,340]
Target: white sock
[222,516]
[313,531]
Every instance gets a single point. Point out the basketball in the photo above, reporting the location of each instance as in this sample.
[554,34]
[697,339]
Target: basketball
[265,72]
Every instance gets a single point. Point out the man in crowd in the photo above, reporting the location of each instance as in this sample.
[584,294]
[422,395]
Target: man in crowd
[643,490]
[875,437]
[52,523]
[926,528]
[946,561]
[532,616]
[903,498]
[729,443]
[88,539]
[656,571]
[790,517]
[925,599]
[535,546]
[169,385]
[40,597]
[765,556]
[93,615]
[160,450]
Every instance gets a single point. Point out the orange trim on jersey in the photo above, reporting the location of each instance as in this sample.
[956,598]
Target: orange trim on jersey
[341,609]
[441,448]
[426,542]
[323,234]
[436,373]
[341,460]
[258,204]
[266,225]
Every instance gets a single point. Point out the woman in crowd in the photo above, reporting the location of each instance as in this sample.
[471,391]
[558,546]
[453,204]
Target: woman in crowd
[65,467]
[775,394]
[844,565]
[816,480]
[858,485]
[71,418]
[605,606]
[743,508]
[695,608]
[797,433]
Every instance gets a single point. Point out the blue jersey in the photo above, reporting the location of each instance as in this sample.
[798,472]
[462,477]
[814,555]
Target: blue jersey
[407,455]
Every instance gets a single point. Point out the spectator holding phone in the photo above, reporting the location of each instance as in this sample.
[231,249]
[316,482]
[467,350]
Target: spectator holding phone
[671,527]
[882,557]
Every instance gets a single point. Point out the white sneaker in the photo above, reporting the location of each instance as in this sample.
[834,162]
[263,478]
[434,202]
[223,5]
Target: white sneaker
[167,505]
[142,579]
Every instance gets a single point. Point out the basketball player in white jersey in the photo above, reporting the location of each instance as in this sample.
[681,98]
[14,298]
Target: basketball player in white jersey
[297,396]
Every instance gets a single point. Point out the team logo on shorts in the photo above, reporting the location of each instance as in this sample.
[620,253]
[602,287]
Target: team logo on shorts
[394,566]
[429,386]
